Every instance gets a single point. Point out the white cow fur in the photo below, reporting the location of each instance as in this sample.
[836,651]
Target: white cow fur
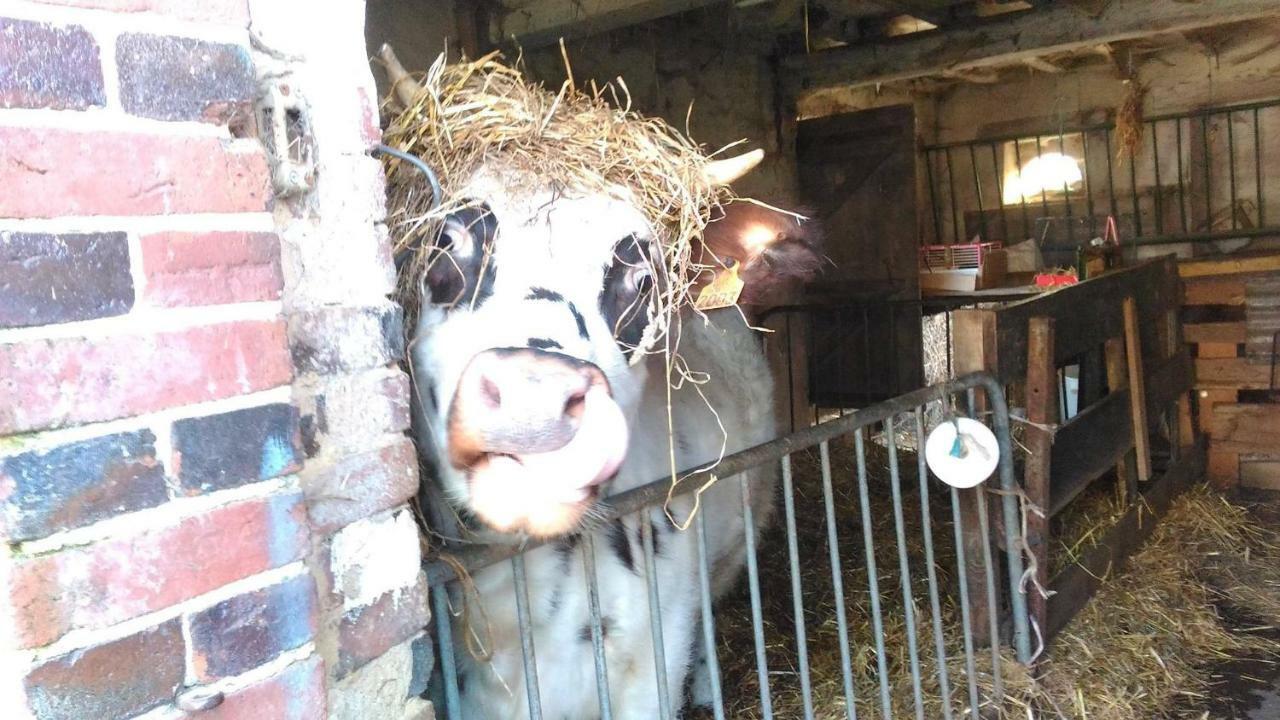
[565,246]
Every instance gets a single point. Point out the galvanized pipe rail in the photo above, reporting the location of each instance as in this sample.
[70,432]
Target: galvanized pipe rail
[471,558]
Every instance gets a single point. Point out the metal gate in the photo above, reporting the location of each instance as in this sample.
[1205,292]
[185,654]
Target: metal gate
[955,596]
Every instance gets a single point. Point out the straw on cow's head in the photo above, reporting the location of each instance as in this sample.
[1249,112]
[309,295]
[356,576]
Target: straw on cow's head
[559,256]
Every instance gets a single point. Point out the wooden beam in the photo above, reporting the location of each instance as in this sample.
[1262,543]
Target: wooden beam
[1137,389]
[1011,39]
[545,22]
[1042,414]
[1229,265]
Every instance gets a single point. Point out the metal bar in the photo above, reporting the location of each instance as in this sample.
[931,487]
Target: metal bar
[1242,107]
[957,236]
[1044,196]
[904,567]
[1012,518]
[1231,167]
[1088,187]
[1022,196]
[708,619]
[797,598]
[1208,180]
[1182,187]
[933,197]
[993,606]
[1004,211]
[655,615]
[1257,164]
[837,584]
[1111,174]
[873,581]
[474,557]
[1158,194]
[962,563]
[597,628]
[1066,194]
[753,584]
[1133,192]
[526,637]
[935,604]
[448,663]
[977,188]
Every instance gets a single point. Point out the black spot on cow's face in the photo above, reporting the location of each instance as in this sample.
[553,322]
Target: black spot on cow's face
[541,293]
[580,321]
[459,271]
[628,292]
[620,544]
[544,344]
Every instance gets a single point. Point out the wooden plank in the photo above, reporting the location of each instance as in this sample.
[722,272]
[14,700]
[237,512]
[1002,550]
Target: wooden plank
[972,340]
[1206,399]
[1229,265]
[1137,389]
[1086,314]
[1223,469]
[1101,436]
[1260,474]
[1216,350]
[1214,291]
[1042,412]
[1075,584]
[1247,429]
[1235,373]
[544,22]
[1118,379]
[1219,332]
[1010,39]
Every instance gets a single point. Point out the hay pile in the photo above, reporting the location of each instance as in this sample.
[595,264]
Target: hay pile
[1139,650]
[484,113]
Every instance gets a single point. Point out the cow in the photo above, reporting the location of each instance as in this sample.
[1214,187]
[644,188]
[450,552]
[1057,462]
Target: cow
[531,404]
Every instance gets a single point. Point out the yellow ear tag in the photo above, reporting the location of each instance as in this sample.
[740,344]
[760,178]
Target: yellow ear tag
[721,292]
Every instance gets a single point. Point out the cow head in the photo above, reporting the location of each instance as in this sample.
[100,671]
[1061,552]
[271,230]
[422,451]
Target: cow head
[532,304]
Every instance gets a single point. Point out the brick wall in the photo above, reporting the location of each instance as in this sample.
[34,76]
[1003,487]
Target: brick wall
[203,460]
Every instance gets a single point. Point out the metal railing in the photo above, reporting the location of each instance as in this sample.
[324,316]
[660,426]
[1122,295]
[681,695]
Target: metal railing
[988,571]
[1195,176]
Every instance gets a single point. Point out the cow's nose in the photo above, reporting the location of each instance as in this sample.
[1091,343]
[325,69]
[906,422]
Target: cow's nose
[518,401]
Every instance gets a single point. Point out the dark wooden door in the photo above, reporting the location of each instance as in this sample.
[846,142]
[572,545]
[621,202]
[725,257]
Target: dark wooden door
[858,173]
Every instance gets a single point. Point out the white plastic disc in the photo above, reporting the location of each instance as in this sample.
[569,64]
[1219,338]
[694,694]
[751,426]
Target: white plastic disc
[973,464]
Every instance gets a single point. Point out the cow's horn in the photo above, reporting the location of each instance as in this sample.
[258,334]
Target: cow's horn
[405,88]
[723,172]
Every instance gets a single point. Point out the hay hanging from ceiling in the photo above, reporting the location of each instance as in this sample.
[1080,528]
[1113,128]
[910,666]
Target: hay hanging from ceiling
[485,113]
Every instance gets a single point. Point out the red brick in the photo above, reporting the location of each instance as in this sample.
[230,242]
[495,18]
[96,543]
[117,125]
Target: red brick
[297,693]
[211,268]
[46,278]
[45,491]
[366,633]
[176,78]
[227,12]
[216,452]
[45,66]
[114,680]
[358,486]
[146,570]
[337,340]
[51,172]
[249,630]
[53,383]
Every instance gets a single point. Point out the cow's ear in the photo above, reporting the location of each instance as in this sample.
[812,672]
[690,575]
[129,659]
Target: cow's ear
[776,252]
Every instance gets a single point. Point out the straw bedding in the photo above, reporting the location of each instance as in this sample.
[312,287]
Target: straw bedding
[1140,649]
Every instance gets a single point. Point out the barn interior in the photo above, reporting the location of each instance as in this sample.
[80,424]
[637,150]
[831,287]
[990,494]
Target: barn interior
[1081,198]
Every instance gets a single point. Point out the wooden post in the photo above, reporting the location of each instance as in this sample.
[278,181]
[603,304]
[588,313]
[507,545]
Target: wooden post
[973,347]
[1117,380]
[1042,414]
[1137,389]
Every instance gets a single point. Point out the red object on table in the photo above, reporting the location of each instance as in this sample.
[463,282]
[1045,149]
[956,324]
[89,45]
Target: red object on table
[1056,279]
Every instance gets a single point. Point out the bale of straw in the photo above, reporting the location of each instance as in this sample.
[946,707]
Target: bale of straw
[484,113]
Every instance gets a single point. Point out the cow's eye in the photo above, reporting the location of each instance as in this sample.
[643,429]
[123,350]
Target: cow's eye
[458,267]
[628,291]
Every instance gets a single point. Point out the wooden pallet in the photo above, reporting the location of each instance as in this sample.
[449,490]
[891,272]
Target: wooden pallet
[1246,444]
[1224,299]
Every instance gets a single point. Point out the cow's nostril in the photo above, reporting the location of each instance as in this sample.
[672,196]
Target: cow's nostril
[491,394]
[575,405]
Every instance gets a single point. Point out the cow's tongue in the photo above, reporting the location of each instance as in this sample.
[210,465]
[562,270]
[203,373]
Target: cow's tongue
[590,458]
